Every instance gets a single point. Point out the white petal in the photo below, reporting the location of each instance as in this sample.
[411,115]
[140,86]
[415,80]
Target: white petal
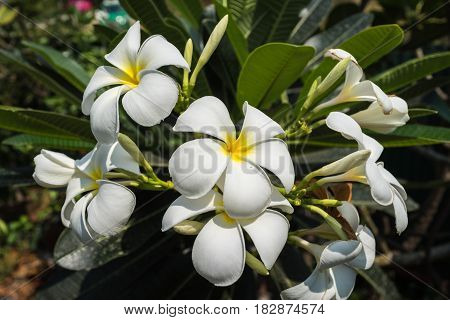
[349,212]
[97,162]
[105,115]
[339,252]
[103,77]
[344,281]
[157,52]
[401,214]
[399,105]
[184,208]
[124,55]
[207,115]
[111,208]
[376,149]
[59,158]
[195,166]
[273,154]
[345,125]
[121,159]
[278,201]
[365,259]
[219,251]
[350,161]
[53,169]
[383,99]
[353,75]
[339,54]
[392,180]
[316,287]
[78,221]
[247,190]
[152,100]
[257,126]
[269,233]
[76,186]
[368,91]
[375,119]
[380,189]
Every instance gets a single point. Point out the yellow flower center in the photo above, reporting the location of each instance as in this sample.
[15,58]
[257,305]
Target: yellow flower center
[226,217]
[238,148]
[132,79]
[94,175]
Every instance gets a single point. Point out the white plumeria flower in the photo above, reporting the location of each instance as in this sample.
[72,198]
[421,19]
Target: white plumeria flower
[219,251]
[354,89]
[104,206]
[384,187]
[334,275]
[197,165]
[149,96]
[373,118]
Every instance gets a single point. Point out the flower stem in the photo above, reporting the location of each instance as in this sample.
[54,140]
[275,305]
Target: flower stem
[332,222]
[323,202]
[129,183]
[116,175]
[312,248]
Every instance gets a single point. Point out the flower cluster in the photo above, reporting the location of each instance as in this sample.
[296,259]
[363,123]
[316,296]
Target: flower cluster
[233,180]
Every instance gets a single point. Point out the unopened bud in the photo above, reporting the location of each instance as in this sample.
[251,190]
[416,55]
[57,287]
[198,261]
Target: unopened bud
[188,227]
[255,264]
[210,47]
[334,75]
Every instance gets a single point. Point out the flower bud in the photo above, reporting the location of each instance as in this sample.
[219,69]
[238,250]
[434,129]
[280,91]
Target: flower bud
[255,264]
[210,47]
[188,52]
[348,162]
[132,149]
[333,76]
[188,227]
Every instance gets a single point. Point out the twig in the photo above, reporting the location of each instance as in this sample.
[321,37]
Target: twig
[415,258]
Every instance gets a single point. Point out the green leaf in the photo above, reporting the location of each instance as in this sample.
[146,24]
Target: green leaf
[310,18]
[274,20]
[423,87]
[411,71]
[420,112]
[190,10]
[27,141]
[373,43]
[340,32]
[44,75]
[431,133]
[269,70]
[37,122]
[237,39]
[66,67]
[242,12]
[157,19]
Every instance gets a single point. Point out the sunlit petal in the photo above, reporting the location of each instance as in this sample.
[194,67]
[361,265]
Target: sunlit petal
[219,251]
